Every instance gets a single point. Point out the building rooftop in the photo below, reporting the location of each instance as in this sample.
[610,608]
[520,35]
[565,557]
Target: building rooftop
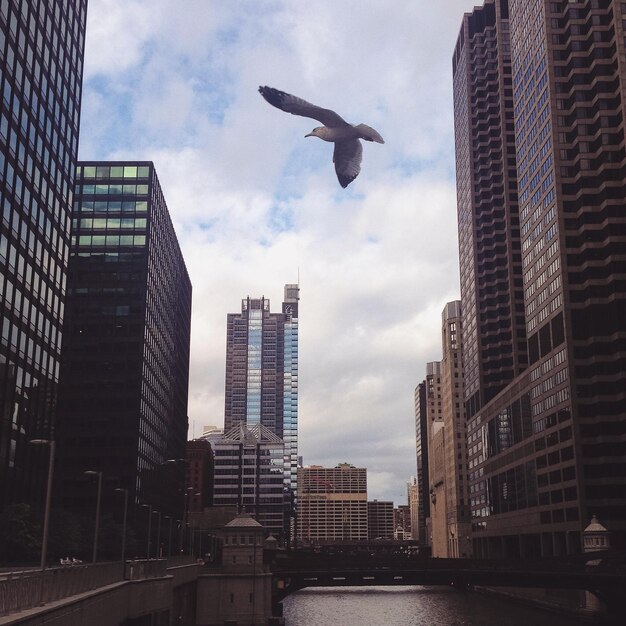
[243,520]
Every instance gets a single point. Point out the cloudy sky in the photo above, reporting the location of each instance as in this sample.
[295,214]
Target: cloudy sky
[256,205]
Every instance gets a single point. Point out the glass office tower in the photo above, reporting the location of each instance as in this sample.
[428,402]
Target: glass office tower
[125,369]
[262,375]
[41,67]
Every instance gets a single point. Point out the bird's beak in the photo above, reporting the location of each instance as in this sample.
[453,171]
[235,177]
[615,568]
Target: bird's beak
[309,135]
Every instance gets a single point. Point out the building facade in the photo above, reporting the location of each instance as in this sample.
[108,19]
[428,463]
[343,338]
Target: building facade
[199,474]
[456,488]
[332,503]
[125,368]
[41,66]
[249,474]
[379,520]
[402,522]
[413,499]
[262,377]
[548,450]
[422,476]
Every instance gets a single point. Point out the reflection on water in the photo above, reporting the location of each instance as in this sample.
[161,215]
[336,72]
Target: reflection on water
[408,606]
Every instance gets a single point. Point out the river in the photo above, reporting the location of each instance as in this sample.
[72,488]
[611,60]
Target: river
[409,606]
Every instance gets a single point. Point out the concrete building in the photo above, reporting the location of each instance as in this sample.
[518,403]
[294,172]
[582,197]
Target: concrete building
[249,473]
[240,590]
[41,67]
[380,520]
[332,503]
[454,433]
[125,360]
[437,537]
[547,451]
[262,376]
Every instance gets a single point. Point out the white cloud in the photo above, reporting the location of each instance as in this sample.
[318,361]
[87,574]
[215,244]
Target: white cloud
[176,83]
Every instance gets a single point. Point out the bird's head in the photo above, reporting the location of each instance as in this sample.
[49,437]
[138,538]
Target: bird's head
[317,132]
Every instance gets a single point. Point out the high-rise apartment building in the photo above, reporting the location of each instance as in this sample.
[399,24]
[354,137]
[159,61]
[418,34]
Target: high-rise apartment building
[548,451]
[41,67]
[332,503]
[262,375]
[125,368]
[487,203]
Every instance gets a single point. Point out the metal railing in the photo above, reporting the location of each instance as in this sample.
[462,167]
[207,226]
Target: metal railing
[146,568]
[24,590]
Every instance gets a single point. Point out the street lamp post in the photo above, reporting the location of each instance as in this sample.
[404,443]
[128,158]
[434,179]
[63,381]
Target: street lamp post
[149,507]
[125,492]
[97,526]
[46,516]
[169,535]
[158,554]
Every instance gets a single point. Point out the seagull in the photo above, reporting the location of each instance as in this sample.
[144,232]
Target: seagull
[348,148]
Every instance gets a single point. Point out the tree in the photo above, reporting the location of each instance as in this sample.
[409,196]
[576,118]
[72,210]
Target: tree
[20,530]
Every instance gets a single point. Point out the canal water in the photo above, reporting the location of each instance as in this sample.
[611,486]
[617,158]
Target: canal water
[409,606]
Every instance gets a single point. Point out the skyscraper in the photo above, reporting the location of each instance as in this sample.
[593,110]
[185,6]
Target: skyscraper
[548,451]
[262,374]
[487,203]
[125,367]
[41,66]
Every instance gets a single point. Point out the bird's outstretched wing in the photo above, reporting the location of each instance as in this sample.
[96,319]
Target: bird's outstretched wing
[298,106]
[347,160]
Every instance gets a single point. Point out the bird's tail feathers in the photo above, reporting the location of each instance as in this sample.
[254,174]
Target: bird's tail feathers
[369,134]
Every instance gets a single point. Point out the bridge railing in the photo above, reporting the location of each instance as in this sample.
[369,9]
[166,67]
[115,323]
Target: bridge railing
[180,560]
[146,568]
[20,591]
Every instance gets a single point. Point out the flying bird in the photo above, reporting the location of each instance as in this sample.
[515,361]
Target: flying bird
[348,149]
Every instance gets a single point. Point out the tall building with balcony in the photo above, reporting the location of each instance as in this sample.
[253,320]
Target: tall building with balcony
[487,205]
[332,503]
[547,452]
[125,367]
[262,376]
[41,66]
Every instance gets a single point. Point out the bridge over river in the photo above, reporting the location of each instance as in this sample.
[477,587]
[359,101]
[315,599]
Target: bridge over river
[171,592]
[603,574]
